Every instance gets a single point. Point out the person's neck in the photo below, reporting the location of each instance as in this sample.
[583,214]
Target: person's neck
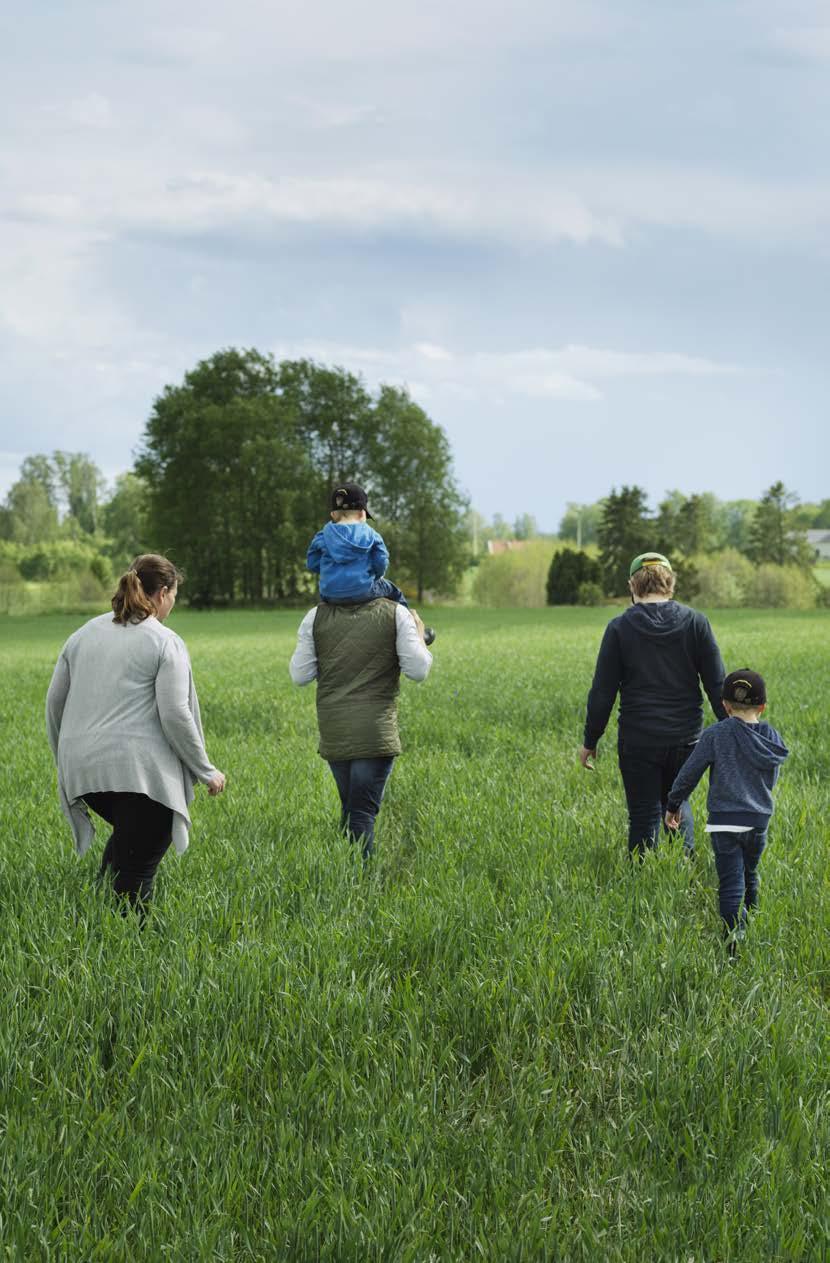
[748,716]
[651,598]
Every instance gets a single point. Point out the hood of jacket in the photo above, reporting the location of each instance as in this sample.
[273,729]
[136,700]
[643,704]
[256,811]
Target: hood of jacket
[347,540]
[759,744]
[659,620]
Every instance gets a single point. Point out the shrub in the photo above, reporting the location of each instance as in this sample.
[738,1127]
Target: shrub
[101,568]
[569,570]
[722,579]
[781,587]
[515,578]
[589,594]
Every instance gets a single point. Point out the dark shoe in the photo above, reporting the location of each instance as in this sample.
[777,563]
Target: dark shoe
[429,635]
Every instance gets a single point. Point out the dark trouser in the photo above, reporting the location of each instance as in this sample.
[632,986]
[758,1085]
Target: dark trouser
[380,587]
[648,774]
[360,783]
[736,859]
[141,833]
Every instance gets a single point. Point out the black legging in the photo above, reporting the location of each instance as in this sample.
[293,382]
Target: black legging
[141,833]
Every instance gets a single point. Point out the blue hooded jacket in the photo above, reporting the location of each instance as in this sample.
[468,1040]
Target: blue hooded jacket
[744,761]
[349,557]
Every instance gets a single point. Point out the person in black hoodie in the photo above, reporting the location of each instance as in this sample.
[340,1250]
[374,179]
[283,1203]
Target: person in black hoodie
[655,655]
[744,757]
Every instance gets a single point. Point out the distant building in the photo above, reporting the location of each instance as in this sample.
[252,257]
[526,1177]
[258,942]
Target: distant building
[496,546]
[819,542]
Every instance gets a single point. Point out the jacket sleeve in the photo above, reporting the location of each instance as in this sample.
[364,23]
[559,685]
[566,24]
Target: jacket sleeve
[414,657]
[606,685]
[180,726]
[378,557]
[315,553]
[691,772]
[710,666]
[303,665]
[56,701]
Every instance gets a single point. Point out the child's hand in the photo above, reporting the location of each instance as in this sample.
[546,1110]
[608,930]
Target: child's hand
[672,819]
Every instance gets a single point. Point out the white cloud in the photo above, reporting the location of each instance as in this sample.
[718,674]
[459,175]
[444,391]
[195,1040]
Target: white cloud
[809,42]
[567,373]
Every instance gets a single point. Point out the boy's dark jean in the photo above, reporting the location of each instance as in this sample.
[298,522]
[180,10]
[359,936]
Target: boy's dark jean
[360,783]
[380,588]
[736,859]
[648,774]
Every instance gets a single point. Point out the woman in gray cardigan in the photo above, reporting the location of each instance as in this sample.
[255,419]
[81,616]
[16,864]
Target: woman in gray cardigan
[124,726]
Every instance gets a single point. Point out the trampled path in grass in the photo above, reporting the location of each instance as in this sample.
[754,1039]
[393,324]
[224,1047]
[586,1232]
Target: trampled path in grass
[504,1042]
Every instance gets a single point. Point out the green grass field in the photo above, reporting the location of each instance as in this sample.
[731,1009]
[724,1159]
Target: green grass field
[503,1043]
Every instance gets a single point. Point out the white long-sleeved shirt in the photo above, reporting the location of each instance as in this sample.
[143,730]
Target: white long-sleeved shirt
[413,655]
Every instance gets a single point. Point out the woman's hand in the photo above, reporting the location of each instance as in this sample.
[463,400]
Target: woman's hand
[216,783]
[587,757]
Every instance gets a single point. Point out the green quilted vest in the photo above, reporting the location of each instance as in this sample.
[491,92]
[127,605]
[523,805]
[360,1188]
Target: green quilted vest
[358,679]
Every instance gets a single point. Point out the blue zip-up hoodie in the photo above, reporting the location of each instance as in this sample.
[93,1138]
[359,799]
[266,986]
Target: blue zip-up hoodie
[744,761]
[348,556]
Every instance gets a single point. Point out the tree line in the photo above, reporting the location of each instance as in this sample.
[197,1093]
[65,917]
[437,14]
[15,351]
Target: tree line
[234,470]
[232,479]
[687,529]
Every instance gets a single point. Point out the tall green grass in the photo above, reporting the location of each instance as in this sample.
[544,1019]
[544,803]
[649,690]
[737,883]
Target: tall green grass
[503,1042]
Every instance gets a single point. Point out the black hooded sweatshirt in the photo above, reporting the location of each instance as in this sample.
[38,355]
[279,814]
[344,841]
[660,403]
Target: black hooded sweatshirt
[655,656]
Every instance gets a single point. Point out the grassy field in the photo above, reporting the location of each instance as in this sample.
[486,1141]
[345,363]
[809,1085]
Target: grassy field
[503,1043]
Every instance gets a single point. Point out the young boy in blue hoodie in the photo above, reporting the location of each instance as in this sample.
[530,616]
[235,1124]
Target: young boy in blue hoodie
[744,757]
[351,557]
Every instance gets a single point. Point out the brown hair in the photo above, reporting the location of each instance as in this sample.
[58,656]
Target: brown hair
[653,580]
[146,576]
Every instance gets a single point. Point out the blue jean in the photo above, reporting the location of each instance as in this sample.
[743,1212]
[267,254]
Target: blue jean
[360,783]
[736,858]
[648,774]
[380,588]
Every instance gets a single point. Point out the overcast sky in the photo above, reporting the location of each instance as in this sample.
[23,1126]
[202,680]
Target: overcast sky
[593,237]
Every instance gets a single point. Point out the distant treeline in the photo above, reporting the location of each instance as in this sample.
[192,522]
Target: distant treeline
[233,479]
[745,552]
[233,475]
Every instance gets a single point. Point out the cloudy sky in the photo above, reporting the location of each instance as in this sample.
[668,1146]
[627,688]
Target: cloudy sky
[592,236]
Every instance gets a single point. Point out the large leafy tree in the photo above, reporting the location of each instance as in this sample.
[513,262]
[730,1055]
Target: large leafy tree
[124,520]
[31,516]
[232,491]
[625,530]
[239,460]
[333,416]
[80,487]
[421,509]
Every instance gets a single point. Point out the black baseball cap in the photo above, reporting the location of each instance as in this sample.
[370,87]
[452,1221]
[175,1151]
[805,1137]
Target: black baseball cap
[349,496]
[745,688]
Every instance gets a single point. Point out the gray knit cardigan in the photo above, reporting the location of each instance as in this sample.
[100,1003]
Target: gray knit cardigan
[122,714]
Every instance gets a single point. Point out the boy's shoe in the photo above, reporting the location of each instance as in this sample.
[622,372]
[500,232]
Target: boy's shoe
[429,635]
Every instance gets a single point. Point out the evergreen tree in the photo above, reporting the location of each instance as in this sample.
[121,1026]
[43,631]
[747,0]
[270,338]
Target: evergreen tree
[624,531]
[773,536]
[569,571]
